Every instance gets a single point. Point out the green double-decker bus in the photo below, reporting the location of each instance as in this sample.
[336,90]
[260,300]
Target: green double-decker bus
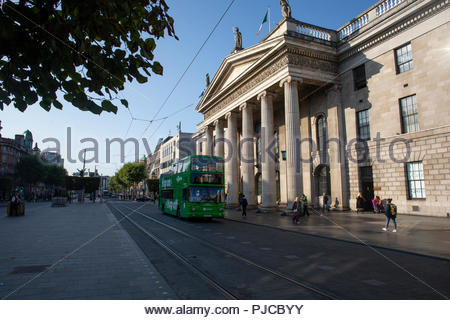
[194,188]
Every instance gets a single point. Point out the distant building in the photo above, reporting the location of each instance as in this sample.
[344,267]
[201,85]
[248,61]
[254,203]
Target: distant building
[153,161]
[176,148]
[11,150]
[53,157]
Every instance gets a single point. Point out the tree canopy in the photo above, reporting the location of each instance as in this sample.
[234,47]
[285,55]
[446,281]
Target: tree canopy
[31,169]
[85,50]
[132,173]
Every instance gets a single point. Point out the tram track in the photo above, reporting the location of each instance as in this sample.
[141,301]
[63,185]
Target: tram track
[204,274]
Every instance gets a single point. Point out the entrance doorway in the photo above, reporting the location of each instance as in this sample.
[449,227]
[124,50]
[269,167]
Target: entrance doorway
[367,186]
[322,180]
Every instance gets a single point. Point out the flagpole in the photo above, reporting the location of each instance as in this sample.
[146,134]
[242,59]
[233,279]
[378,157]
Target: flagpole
[269,19]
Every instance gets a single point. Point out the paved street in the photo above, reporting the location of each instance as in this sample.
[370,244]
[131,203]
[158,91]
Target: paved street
[79,252]
[76,252]
[251,261]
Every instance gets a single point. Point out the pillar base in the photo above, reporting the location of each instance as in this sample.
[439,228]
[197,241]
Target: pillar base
[268,209]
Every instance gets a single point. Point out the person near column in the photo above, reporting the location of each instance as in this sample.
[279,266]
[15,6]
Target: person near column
[297,207]
[360,203]
[244,204]
[305,205]
[325,206]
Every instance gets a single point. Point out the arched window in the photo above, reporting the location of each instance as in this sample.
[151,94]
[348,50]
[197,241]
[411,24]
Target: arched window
[323,180]
[322,135]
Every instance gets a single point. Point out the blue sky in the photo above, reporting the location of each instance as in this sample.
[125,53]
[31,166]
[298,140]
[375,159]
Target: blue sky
[194,21]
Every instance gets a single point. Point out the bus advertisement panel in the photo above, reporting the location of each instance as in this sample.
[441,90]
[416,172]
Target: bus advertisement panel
[194,188]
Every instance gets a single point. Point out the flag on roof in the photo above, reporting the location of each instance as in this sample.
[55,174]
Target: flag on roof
[264,21]
[201,94]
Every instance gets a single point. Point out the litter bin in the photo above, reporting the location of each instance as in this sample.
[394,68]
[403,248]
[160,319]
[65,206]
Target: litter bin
[19,210]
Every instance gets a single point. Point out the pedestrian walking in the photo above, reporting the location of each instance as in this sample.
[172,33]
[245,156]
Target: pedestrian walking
[325,206]
[305,205]
[360,203]
[244,204]
[391,214]
[297,207]
[377,205]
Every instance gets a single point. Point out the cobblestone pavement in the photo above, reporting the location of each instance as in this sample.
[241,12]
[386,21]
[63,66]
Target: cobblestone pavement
[416,234]
[74,252]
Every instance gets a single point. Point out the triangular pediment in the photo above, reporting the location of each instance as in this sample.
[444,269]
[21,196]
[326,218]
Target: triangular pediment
[235,67]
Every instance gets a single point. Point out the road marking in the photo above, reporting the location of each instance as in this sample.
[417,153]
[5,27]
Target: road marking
[291,257]
[246,242]
[374,283]
[326,267]
[218,233]
[265,249]
[230,237]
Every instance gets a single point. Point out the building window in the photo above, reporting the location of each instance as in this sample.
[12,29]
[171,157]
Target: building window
[363,125]
[410,119]
[403,58]
[322,136]
[416,180]
[359,77]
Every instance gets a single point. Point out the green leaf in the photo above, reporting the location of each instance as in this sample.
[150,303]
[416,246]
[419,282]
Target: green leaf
[157,68]
[124,102]
[57,105]
[45,105]
[141,79]
[108,106]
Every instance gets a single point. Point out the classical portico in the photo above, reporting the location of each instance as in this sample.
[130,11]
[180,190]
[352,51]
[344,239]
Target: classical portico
[259,112]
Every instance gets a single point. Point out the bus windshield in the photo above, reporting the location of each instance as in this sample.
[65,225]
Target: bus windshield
[206,164]
[206,194]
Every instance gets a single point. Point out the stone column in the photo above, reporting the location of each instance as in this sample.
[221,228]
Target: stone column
[268,158]
[198,145]
[231,161]
[247,154]
[209,141]
[218,149]
[306,149]
[292,121]
[336,149]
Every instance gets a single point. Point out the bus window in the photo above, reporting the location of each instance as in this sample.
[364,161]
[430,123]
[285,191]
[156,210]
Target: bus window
[180,167]
[206,178]
[185,165]
[206,194]
[167,194]
[207,164]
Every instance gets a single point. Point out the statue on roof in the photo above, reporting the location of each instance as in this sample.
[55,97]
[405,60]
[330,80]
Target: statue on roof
[237,39]
[207,80]
[285,8]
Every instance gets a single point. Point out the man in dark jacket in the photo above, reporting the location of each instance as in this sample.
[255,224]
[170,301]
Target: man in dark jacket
[244,204]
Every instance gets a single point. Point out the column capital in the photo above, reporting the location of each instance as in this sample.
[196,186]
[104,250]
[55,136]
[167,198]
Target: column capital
[265,93]
[246,105]
[218,121]
[290,79]
[230,114]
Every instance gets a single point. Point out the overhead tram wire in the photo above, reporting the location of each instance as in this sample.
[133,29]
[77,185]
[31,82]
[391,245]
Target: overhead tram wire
[163,119]
[190,64]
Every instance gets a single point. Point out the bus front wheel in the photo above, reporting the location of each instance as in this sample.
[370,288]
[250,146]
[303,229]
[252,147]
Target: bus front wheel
[178,212]
[162,208]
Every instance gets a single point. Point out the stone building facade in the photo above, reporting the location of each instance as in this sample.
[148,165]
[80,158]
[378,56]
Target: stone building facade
[362,109]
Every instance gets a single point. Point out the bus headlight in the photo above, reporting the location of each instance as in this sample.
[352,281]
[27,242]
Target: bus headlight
[193,209]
